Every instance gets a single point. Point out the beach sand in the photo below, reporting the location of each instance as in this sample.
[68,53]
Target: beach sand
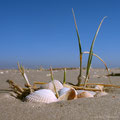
[101,108]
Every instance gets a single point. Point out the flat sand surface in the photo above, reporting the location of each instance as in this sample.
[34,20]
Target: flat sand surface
[101,108]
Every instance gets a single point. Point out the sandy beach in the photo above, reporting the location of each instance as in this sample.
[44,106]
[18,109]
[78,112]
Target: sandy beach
[101,108]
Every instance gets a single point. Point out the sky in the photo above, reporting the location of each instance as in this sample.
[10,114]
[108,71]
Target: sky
[42,32]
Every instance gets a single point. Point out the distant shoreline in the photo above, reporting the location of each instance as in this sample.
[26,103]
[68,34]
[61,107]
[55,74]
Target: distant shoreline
[58,68]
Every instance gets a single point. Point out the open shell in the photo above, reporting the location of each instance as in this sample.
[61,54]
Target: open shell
[62,91]
[67,94]
[50,86]
[42,95]
[84,94]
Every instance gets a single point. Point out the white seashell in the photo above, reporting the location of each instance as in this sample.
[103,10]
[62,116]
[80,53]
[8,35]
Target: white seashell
[91,92]
[50,86]
[80,91]
[84,94]
[99,87]
[99,94]
[42,95]
[63,91]
[1,72]
[67,94]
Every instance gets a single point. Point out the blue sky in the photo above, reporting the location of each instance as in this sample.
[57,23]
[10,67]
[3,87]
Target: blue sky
[42,32]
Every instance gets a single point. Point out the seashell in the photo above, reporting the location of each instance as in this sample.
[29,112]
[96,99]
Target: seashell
[50,86]
[99,94]
[84,94]
[67,94]
[42,95]
[1,72]
[99,87]
[63,91]
[91,92]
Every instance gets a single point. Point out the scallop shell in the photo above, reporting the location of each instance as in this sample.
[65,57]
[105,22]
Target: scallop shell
[67,94]
[50,86]
[42,95]
[84,94]
[99,94]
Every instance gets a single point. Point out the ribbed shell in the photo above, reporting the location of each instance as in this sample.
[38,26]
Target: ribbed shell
[50,86]
[85,94]
[42,95]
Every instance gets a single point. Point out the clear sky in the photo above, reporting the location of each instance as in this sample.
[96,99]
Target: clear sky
[42,32]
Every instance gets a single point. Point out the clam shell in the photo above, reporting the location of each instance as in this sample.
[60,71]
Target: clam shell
[91,92]
[50,86]
[63,91]
[99,94]
[67,94]
[84,94]
[42,95]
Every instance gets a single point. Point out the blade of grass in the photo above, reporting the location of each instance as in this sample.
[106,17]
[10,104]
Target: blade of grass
[86,52]
[51,72]
[91,53]
[64,79]
[80,51]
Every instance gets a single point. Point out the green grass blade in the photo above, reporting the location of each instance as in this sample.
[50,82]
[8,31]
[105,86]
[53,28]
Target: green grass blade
[86,52]
[91,51]
[80,50]
[64,79]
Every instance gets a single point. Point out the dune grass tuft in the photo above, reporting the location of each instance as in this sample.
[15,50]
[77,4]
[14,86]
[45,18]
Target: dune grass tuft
[90,53]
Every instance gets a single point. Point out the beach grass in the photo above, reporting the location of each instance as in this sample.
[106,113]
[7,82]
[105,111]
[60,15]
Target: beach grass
[52,78]
[80,51]
[64,78]
[90,53]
